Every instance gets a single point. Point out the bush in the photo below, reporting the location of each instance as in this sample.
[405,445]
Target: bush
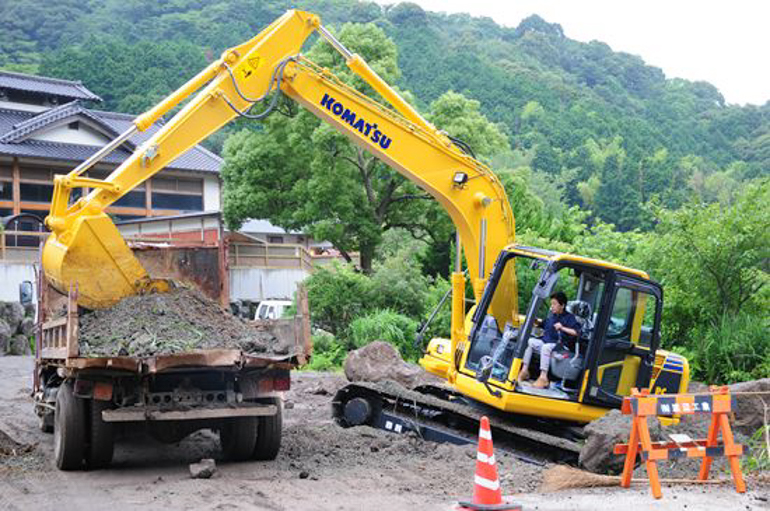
[389,326]
[337,295]
[328,354]
[731,349]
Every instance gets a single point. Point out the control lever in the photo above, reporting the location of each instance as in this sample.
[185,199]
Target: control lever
[488,363]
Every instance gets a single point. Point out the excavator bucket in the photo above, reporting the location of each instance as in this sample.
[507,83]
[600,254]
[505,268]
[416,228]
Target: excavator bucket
[94,256]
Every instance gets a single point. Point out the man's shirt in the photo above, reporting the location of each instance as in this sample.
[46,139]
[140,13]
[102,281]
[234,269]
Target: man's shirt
[567,320]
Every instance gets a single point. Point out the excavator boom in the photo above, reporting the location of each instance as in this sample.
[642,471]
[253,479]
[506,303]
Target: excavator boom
[86,249]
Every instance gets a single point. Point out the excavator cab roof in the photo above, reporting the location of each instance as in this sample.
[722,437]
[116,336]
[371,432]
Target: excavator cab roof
[553,256]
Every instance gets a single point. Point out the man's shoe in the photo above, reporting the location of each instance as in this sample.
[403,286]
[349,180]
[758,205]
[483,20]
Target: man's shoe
[541,383]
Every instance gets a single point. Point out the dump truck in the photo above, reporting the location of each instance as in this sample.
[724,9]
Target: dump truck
[88,397]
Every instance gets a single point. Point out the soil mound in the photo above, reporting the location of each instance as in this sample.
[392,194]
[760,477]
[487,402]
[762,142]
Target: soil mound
[168,323]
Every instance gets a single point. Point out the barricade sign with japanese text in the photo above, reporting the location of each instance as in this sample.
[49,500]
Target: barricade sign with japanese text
[640,405]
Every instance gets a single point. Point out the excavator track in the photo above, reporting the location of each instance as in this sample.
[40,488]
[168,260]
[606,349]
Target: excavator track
[439,414]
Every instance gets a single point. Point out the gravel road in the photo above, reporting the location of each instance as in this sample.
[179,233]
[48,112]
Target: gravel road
[320,467]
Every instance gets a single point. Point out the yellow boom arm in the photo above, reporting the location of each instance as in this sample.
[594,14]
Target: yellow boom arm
[86,248]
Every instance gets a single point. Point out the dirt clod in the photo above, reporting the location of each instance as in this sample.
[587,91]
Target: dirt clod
[168,323]
[204,469]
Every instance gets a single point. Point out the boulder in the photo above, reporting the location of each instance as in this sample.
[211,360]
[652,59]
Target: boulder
[5,336]
[12,313]
[601,437]
[750,410]
[379,361]
[203,469]
[26,327]
[29,310]
[19,345]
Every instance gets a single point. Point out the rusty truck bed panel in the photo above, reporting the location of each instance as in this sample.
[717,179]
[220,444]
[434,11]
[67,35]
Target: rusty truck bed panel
[224,359]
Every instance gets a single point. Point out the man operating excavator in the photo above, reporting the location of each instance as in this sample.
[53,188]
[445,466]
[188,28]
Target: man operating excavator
[559,321]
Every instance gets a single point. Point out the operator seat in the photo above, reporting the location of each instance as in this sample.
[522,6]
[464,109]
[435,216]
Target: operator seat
[565,363]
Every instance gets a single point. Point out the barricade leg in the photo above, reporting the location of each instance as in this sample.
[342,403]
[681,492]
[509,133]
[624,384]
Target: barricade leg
[651,464]
[711,441]
[735,466]
[633,448]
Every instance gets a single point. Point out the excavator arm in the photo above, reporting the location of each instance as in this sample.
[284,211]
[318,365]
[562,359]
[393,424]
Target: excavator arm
[86,248]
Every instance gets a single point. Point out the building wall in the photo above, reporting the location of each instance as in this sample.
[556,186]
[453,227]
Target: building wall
[27,185]
[258,284]
[212,194]
[78,133]
[11,275]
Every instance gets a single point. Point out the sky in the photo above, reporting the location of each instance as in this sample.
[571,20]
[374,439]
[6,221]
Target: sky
[726,43]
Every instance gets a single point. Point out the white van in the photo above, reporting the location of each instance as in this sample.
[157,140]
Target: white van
[271,309]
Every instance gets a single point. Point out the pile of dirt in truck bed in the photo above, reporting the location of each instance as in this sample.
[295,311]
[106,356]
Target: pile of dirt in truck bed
[169,323]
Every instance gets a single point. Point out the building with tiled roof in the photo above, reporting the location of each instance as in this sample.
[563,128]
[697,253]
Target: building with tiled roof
[47,128]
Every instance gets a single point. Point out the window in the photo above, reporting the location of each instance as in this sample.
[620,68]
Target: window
[5,212]
[34,192]
[181,194]
[135,199]
[74,125]
[649,304]
[178,202]
[621,314]
[275,239]
[6,190]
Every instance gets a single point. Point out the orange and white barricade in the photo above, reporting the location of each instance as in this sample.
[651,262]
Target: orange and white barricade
[640,405]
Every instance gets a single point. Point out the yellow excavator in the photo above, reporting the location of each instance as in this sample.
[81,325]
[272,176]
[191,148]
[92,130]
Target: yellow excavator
[619,308]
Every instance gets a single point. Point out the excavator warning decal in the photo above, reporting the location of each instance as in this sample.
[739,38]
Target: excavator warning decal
[358,123]
[252,64]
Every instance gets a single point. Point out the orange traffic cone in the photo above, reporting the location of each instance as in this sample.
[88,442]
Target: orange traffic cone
[487,494]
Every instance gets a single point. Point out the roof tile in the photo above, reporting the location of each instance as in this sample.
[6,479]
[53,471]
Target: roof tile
[46,85]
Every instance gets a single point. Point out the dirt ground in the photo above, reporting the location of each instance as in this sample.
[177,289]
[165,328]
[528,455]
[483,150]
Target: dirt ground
[320,467]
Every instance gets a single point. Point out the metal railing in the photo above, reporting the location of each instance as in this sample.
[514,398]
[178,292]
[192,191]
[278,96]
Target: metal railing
[21,246]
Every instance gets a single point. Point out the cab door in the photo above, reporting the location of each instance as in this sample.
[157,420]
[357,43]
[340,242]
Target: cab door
[628,335]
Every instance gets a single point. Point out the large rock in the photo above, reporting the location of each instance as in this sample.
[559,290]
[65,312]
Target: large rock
[380,361]
[29,310]
[750,410]
[601,437]
[26,327]
[12,313]
[19,345]
[5,336]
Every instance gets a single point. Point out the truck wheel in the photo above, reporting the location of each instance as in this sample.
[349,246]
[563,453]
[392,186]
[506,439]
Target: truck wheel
[269,433]
[238,436]
[101,441]
[69,436]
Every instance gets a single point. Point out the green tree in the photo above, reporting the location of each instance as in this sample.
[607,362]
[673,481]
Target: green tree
[336,190]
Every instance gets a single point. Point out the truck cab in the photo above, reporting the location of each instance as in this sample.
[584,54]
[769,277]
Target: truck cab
[271,309]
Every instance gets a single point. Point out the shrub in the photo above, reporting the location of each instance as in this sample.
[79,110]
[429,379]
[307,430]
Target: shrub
[337,295]
[328,354]
[389,326]
[730,349]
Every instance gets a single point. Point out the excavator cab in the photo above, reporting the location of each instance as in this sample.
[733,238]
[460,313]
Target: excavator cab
[619,311]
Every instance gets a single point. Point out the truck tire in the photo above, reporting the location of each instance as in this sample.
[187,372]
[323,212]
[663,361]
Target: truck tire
[69,436]
[101,440]
[269,432]
[238,436]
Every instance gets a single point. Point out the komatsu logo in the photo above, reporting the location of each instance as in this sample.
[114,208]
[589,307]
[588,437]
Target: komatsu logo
[357,123]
